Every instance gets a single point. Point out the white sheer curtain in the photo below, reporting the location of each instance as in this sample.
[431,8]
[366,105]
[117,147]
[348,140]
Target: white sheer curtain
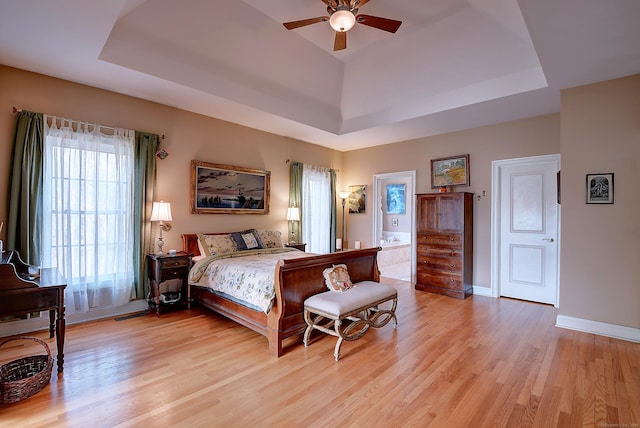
[88,181]
[316,209]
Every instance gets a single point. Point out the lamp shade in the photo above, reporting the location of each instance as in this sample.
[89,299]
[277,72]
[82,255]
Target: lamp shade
[293,214]
[344,195]
[161,211]
[342,20]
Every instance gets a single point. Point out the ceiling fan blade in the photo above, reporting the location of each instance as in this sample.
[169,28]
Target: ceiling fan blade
[341,41]
[390,25]
[360,4]
[333,4]
[297,24]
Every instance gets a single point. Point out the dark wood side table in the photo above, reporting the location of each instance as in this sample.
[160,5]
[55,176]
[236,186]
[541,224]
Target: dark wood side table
[162,268]
[297,245]
[21,294]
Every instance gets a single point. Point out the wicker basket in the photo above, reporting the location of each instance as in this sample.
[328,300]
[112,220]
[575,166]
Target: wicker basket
[22,378]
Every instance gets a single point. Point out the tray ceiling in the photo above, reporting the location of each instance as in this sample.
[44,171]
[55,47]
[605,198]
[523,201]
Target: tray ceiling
[453,64]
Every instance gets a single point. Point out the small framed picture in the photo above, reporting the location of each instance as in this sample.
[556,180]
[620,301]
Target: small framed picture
[395,198]
[357,199]
[600,188]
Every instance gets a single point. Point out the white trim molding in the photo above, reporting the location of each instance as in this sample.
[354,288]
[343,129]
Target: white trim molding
[600,328]
[377,206]
[482,291]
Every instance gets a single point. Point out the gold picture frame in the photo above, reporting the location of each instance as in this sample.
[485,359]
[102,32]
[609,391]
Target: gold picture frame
[449,172]
[226,189]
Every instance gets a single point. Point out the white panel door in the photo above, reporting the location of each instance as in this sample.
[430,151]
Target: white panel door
[529,231]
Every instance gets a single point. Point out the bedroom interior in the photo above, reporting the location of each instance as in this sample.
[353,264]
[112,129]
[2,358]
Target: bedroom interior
[493,361]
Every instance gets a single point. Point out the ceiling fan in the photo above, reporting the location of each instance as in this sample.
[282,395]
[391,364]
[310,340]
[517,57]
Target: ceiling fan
[343,15]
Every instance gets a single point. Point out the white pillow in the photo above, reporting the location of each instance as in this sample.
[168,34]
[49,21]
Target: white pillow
[216,244]
[271,238]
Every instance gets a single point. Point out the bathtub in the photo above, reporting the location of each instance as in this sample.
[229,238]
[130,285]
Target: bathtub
[396,248]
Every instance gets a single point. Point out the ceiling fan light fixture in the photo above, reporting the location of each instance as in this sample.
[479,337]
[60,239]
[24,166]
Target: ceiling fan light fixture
[342,20]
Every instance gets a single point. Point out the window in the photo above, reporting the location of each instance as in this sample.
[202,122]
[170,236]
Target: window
[88,181]
[316,209]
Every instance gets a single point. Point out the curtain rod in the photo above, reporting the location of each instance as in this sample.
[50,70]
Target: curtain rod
[18,110]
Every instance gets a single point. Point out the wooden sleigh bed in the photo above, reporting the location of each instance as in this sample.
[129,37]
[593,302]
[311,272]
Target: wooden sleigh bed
[295,280]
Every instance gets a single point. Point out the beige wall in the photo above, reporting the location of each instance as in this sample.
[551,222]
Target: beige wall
[600,133]
[528,137]
[600,254]
[188,136]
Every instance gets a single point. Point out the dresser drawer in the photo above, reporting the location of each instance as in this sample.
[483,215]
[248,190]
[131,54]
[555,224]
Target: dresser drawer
[169,262]
[440,280]
[177,273]
[436,251]
[451,265]
[449,240]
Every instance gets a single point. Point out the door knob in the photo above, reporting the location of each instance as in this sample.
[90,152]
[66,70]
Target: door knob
[548,239]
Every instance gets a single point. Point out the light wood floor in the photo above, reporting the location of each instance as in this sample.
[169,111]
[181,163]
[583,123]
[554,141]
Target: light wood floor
[480,362]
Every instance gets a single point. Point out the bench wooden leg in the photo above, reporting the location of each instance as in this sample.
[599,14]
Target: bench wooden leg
[313,323]
[359,324]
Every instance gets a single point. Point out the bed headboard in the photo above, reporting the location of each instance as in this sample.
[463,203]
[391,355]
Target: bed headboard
[190,243]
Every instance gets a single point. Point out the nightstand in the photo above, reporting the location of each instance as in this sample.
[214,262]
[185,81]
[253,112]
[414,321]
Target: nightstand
[297,245]
[162,269]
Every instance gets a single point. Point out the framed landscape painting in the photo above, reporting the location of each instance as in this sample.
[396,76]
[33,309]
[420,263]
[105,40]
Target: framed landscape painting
[225,189]
[449,172]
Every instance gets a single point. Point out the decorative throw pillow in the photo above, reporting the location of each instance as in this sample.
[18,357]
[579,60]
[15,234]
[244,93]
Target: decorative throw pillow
[216,244]
[337,278]
[247,240]
[270,238]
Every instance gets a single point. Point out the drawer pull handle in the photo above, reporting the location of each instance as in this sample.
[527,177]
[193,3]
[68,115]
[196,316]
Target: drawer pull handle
[452,265]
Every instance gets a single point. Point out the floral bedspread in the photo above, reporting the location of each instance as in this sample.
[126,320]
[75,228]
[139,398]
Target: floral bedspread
[244,275]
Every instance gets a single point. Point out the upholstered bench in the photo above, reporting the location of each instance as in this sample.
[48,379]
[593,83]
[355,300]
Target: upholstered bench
[358,304]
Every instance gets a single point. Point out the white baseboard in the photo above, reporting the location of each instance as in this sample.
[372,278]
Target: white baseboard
[482,291]
[603,329]
[42,323]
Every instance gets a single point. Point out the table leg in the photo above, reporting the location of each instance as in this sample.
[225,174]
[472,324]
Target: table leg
[60,331]
[52,320]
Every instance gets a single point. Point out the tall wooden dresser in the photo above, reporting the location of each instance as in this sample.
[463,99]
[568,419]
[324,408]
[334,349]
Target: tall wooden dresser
[445,243]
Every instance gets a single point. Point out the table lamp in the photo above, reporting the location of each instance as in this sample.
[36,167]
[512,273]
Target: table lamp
[161,212]
[293,214]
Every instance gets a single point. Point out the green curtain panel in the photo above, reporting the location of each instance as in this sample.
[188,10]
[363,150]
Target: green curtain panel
[24,224]
[295,197]
[145,192]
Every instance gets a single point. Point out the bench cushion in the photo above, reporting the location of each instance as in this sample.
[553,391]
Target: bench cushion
[361,294]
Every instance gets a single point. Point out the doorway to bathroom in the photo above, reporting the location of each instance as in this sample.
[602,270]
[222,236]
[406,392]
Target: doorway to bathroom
[394,224]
